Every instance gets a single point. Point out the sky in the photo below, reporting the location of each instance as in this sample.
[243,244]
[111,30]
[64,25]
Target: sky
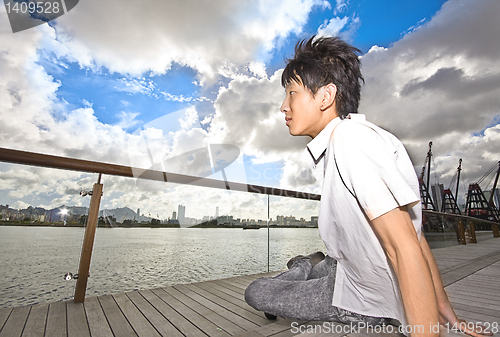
[143,83]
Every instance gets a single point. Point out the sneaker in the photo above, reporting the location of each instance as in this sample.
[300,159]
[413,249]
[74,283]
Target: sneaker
[314,258]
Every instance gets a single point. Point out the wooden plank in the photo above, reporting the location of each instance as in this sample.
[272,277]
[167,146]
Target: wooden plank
[98,324]
[468,269]
[222,322]
[35,325]
[77,320]
[279,326]
[250,333]
[474,289]
[244,311]
[4,314]
[14,325]
[180,322]
[221,292]
[475,317]
[138,322]
[117,321]
[201,322]
[478,310]
[238,295]
[474,303]
[56,320]
[242,282]
[161,324]
[231,287]
[237,288]
[238,320]
[485,299]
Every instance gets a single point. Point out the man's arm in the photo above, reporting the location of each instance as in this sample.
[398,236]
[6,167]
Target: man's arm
[400,242]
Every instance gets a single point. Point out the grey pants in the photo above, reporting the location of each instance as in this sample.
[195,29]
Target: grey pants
[303,293]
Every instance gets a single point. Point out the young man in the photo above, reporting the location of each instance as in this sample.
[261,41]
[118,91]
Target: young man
[378,264]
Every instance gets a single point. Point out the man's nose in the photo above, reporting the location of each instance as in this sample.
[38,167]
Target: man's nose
[284,106]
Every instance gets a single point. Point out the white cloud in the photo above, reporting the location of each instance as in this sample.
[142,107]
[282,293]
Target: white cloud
[441,82]
[248,116]
[206,36]
[332,27]
[340,6]
[137,85]
[127,119]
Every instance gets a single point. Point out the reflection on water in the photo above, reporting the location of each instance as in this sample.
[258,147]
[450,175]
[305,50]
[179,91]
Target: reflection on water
[34,260]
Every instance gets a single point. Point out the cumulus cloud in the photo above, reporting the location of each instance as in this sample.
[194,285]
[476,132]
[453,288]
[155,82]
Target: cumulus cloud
[248,116]
[332,27]
[33,119]
[207,36]
[441,82]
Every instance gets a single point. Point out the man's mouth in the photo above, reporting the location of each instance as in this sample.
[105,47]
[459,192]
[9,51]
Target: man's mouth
[288,120]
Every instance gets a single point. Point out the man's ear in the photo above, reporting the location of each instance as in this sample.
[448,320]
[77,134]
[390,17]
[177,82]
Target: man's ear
[329,93]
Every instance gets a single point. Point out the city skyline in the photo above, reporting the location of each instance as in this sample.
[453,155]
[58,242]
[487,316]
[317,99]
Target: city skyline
[74,214]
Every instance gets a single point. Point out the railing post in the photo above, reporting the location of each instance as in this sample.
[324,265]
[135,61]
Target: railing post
[461,233]
[268,223]
[88,242]
[472,232]
[496,233]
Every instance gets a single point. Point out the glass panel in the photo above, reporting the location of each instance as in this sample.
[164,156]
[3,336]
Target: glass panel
[40,240]
[293,230]
[143,257]
[137,245]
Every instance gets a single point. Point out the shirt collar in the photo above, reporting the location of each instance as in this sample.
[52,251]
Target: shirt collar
[318,145]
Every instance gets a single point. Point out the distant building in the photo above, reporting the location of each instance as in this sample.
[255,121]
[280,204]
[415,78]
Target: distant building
[314,221]
[225,219]
[217,212]
[174,215]
[181,214]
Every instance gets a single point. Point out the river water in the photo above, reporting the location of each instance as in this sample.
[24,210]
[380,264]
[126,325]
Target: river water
[34,260]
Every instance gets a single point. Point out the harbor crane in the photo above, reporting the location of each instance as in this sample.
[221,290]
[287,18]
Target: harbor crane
[449,204]
[477,205]
[424,188]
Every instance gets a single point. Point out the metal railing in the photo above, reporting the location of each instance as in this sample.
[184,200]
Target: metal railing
[57,162]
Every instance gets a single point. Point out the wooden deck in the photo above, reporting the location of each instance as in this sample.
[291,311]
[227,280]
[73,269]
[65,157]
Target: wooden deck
[471,274]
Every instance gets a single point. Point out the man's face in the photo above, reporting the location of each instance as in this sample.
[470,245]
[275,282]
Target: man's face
[302,111]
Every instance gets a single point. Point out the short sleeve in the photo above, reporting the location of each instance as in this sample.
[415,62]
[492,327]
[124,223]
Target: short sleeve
[369,168]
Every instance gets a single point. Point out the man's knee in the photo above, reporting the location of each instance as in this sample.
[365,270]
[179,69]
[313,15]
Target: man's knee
[254,293]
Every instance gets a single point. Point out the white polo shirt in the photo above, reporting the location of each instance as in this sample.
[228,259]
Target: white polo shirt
[364,172]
